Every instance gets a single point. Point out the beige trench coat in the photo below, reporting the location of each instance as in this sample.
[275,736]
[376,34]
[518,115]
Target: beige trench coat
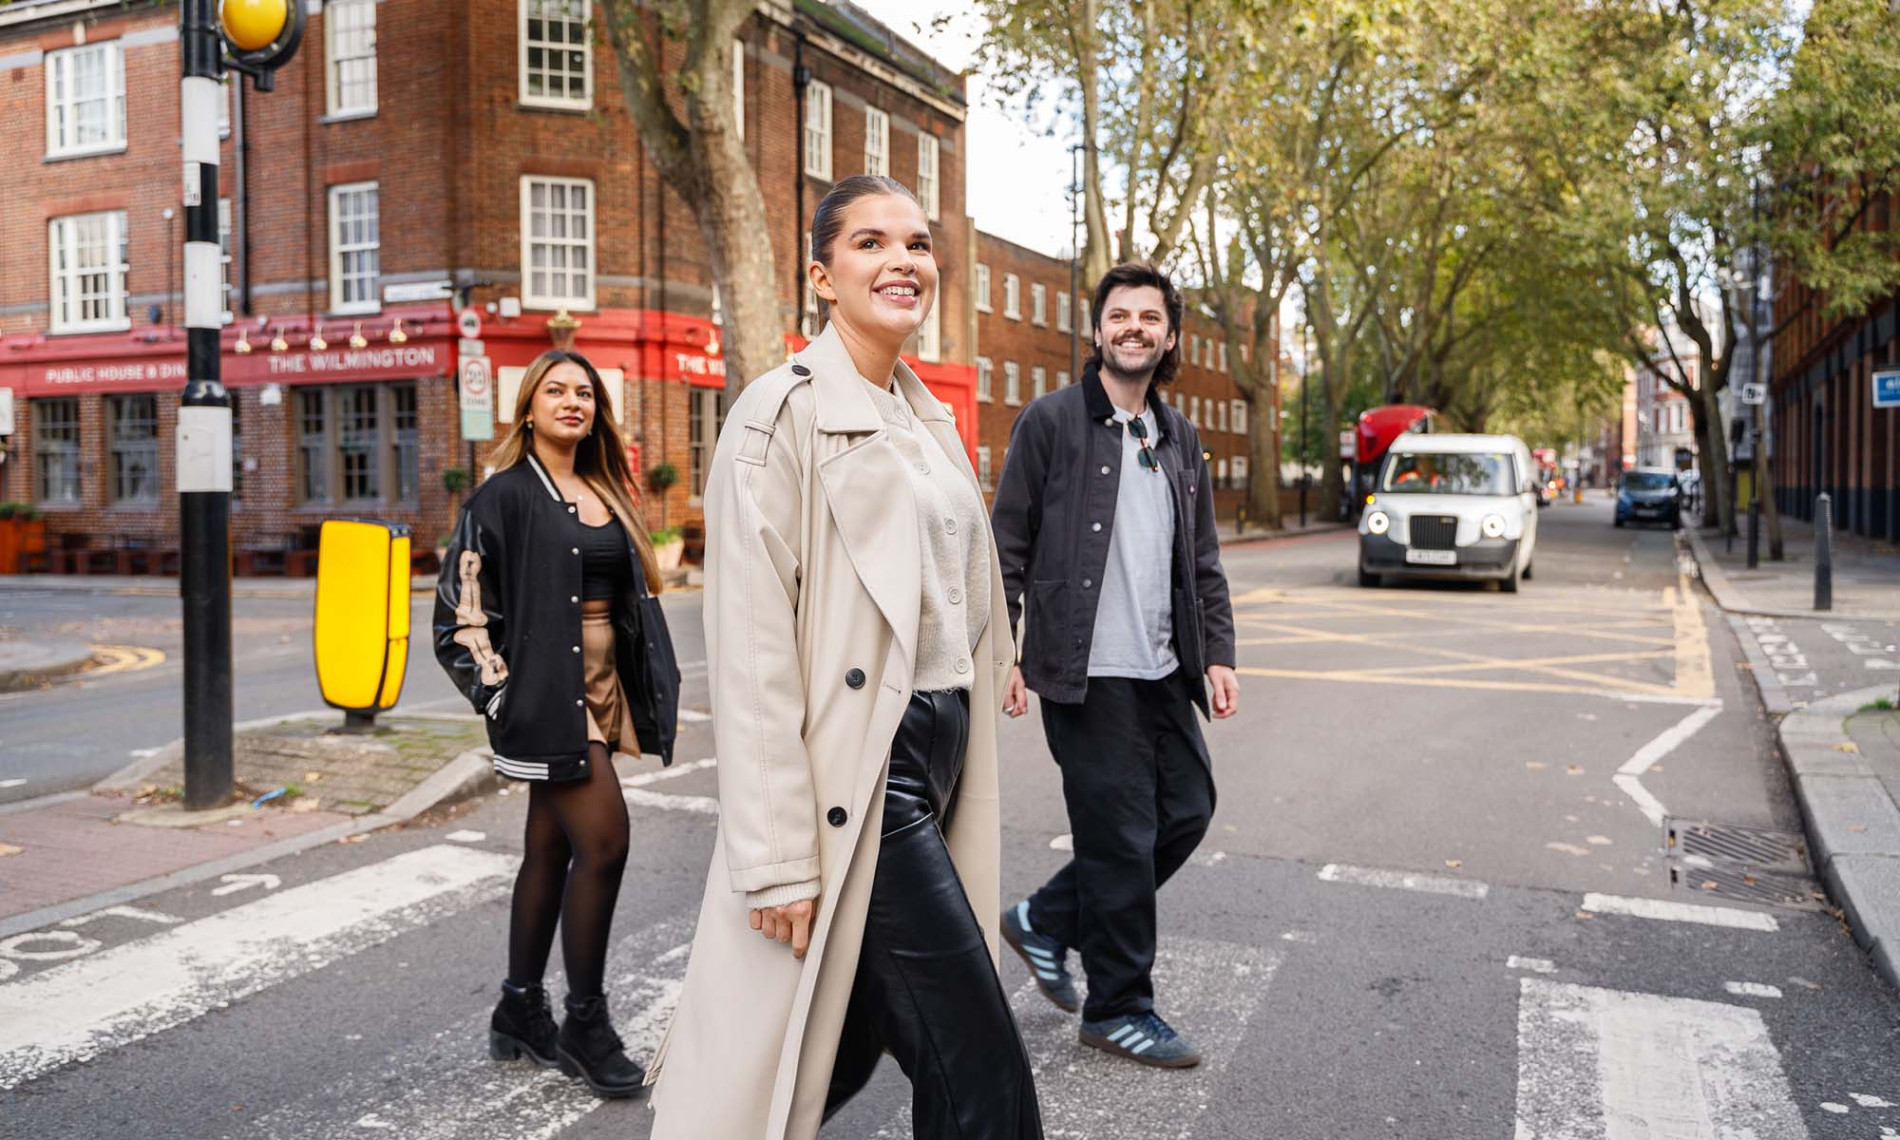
[813,581]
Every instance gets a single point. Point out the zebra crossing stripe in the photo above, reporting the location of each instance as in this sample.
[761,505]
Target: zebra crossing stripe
[1597,1064]
[1207,990]
[88,1006]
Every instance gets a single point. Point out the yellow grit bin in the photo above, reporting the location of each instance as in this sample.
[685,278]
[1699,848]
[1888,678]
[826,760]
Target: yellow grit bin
[361,641]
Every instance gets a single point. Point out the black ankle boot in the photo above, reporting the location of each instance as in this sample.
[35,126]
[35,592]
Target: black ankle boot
[523,1026]
[591,1050]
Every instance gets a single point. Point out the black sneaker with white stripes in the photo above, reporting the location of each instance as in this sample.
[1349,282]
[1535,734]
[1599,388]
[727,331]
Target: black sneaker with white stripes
[1142,1037]
[1047,958]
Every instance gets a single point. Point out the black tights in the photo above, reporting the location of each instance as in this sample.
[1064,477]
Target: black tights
[576,848]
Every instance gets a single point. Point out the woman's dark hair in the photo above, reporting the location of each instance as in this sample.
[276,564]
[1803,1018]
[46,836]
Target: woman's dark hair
[1136,274]
[828,219]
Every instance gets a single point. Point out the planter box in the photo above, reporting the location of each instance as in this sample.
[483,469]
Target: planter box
[668,556]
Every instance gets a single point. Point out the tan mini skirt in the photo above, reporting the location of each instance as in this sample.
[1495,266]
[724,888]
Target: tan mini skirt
[609,719]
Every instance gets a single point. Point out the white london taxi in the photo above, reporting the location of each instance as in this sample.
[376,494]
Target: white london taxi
[1451,506]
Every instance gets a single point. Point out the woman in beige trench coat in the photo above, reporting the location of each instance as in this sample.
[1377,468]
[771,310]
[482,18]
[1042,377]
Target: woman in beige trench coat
[853,612]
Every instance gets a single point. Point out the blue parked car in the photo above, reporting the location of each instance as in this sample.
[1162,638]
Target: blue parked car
[1649,494]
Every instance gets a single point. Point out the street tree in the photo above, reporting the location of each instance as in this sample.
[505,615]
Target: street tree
[674,58]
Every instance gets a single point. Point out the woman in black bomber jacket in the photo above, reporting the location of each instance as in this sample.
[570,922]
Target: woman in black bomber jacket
[545,618]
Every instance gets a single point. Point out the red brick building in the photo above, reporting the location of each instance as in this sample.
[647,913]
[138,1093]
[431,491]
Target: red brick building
[1032,335]
[418,156]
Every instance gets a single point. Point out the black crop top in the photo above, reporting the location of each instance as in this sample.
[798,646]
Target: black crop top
[606,563]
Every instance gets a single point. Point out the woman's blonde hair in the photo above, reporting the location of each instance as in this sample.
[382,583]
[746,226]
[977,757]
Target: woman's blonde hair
[600,459]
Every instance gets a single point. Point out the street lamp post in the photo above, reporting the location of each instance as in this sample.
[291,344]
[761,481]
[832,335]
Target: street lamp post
[263,34]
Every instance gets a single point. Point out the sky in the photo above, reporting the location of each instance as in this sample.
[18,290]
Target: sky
[1017,176]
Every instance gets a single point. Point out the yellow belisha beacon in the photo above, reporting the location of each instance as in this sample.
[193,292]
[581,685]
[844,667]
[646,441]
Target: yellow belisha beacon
[361,642]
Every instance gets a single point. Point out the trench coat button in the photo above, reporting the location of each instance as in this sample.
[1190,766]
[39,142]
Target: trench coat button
[956,595]
[800,370]
[923,469]
[1096,527]
[1104,468]
[855,678]
[949,526]
[962,665]
[836,817]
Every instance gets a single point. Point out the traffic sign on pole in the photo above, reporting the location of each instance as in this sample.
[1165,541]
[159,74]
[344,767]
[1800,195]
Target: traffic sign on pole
[1887,388]
[1753,393]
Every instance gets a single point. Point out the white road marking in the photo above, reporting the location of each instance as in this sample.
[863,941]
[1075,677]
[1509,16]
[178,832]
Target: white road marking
[466,836]
[139,914]
[235,883]
[694,716]
[1752,989]
[1596,1064]
[660,775]
[124,994]
[14,783]
[64,944]
[1830,1106]
[1403,881]
[1534,965]
[636,793]
[441,1086]
[1681,912]
[1866,1101]
[1211,989]
[1207,858]
[1629,777]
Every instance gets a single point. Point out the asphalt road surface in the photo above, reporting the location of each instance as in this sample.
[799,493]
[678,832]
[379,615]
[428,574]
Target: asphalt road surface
[1438,901]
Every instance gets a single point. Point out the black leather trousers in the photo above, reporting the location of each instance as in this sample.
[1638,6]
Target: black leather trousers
[926,989]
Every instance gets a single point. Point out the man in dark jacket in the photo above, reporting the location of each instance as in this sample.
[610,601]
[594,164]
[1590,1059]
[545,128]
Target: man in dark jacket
[1105,533]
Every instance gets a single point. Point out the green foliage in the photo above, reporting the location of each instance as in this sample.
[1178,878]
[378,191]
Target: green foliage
[661,476]
[666,535]
[455,480]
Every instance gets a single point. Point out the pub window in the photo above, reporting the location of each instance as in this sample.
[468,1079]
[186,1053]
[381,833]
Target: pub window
[985,379]
[1238,417]
[56,449]
[818,130]
[1237,471]
[85,99]
[313,446]
[349,40]
[355,248]
[1012,383]
[877,141]
[982,288]
[89,266]
[557,59]
[132,453]
[1062,312]
[357,444]
[1038,304]
[1012,297]
[702,434]
[1220,417]
[927,181]
[557,235]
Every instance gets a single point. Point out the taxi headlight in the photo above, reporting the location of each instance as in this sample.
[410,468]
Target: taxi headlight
[1378,523]
[1493,526]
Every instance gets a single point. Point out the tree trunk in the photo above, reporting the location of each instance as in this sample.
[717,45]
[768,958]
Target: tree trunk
[1263,466]
[1715,458]
[732,220]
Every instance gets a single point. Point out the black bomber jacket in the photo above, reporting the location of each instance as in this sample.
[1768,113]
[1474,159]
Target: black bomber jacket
[508,625]
[1054,514]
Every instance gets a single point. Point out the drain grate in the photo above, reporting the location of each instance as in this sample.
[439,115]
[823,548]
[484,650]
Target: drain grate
[1717,861]
[1752,847]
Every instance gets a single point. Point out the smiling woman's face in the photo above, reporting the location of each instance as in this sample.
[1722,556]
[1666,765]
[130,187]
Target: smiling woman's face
[563,409]
[881,277]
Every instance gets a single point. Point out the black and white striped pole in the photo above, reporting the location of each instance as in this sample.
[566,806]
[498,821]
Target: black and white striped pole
[206,28]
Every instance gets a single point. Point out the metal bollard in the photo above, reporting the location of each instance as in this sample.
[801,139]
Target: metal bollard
[1823,552]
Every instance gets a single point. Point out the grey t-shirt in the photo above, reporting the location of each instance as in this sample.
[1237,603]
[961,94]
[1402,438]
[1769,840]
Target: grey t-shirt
[1134,620]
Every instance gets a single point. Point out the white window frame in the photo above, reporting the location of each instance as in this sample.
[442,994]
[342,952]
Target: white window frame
[224,104]
[985,380]
[1038,381]
[817,130]
[1012,297]
[929,181]
[1084,316]
[529,298]
[738,85]
[808,306]
[333,64]
[1039,304]
[1194,349]
[226,246]
[1237,471]
[1220,417]
[1220,473]
[339,248]
[984,477]
[877,141]
[562,102]
[1062,378]
[983,288]
[1223,356]
[1063,317]
[60,235]
[1237,417]
[1194,410]
[58,66]
[930,336]
[1012,383]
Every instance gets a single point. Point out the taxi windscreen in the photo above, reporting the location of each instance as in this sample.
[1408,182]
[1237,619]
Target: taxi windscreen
[1440,473]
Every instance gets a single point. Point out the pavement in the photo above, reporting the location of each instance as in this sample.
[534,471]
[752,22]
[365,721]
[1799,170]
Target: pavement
[1832,679]
[1483,866]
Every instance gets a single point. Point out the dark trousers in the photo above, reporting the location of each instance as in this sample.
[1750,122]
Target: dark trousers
[1140,790]
[926,990]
